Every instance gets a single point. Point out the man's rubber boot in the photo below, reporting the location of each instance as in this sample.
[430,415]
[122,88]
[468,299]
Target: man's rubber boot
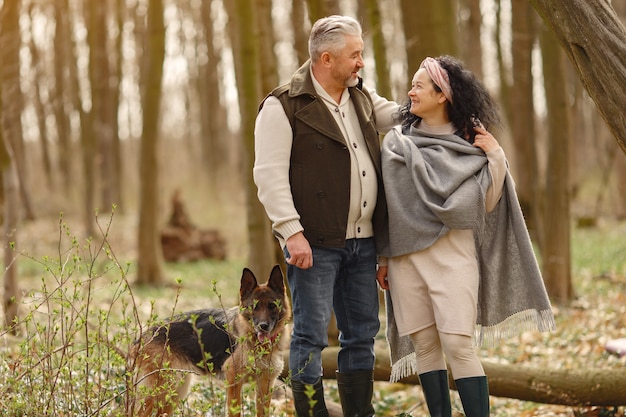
[308,399]
[355,393]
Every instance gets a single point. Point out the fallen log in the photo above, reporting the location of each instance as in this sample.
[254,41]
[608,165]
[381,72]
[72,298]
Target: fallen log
[570,387]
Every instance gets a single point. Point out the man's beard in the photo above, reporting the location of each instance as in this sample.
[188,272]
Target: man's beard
[352,82]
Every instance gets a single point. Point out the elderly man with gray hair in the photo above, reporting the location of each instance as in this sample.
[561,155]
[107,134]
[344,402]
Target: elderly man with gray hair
[318,172]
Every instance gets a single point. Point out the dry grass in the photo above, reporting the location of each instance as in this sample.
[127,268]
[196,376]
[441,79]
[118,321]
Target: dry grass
[597,315]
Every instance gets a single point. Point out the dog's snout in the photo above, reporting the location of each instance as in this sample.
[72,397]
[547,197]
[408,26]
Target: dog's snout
[264,326]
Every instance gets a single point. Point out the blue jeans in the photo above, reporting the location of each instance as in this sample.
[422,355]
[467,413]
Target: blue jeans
[343,280]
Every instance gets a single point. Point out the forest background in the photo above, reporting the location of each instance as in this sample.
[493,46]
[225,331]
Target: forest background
[116,105]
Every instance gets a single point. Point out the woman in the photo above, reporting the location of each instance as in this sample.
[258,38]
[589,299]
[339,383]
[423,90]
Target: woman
[458,243]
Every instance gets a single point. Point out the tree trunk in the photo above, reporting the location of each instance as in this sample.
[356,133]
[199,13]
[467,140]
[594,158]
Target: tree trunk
[214,147]
[373,25]
[300,30]
[555,252]
[593,38]
[117,167]
[246,40]
[322,8]
[414,55]
[10,221]
[88,136]
[503,70]
[62,53]
[101,113]
[39,103]
[469,39]
[150,256]
[86,127]
[581,387]
[10,43]
[11,295]
[436,34]
[522,119]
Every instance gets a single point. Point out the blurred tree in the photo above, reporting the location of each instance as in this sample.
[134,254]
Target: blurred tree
[150,255]
[267,56]
[115,167]
[40,100]
[430,28]
[10,137]
[322,8]
[14,99]
[372,25]
[504,87]
[246,41]
[470,45]
[10,223]
[212,113]
[102,147]
[593,38]
[90,130]
[556,234]
[411,9]
[620,163]
[60,97]
[300,30]
[521,115]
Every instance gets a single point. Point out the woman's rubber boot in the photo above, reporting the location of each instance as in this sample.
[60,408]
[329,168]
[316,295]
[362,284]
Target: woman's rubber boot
[474,393]
[355,393]
[436,392]
[308,399]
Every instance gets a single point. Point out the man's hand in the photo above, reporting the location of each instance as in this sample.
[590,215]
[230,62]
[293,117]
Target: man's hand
[300,251]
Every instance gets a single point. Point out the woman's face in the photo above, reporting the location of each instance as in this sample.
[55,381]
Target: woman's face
[425,100]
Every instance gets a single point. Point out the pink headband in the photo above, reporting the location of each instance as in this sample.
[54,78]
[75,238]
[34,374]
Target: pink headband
[439,76]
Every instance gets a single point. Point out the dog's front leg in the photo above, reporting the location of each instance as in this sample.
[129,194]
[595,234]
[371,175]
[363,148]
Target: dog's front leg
[233,398]
[265,383]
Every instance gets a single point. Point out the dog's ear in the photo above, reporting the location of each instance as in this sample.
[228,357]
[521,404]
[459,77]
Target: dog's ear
[276,282]
[248,283]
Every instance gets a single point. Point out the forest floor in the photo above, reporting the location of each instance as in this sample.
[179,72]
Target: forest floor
[584,325]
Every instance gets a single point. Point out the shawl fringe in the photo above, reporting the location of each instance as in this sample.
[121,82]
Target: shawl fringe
[485,336]
[404,367]
[526,320]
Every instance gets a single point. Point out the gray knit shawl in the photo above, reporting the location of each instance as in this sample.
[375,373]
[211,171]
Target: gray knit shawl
[444,189]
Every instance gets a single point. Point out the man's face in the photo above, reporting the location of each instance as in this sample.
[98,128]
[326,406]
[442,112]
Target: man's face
[347,62]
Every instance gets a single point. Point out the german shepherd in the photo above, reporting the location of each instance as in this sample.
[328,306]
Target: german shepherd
[243,343]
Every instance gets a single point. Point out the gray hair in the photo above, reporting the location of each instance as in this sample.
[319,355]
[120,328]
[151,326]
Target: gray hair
[329,34]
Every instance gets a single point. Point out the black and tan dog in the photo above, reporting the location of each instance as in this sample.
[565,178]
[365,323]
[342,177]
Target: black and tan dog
[239,344]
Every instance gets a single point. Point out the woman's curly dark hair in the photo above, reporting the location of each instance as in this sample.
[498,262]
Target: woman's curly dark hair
[472,102]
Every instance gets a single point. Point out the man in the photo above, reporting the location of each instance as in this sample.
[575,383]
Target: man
[317,170]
